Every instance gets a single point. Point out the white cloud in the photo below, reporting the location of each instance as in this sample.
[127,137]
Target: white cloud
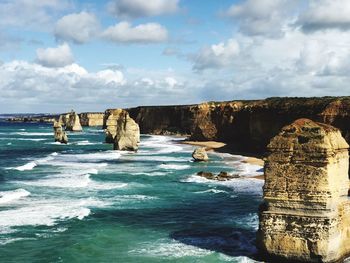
[28,87]
[263,17]
[110,76]
[142,8]
[77,27]
[123,32]
[37,14]
[216,56]
[55,57]
[326,14]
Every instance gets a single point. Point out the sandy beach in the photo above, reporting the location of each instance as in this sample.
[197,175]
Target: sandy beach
[209,145]
[213,145]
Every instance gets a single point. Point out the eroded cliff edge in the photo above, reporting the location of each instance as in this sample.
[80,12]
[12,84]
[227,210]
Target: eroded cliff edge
[247,126]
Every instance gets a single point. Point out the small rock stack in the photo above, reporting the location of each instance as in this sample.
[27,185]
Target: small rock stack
[200,155]
[305,215]
[59,134]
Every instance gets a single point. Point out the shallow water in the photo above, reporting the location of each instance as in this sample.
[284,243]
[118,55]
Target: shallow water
[83,202]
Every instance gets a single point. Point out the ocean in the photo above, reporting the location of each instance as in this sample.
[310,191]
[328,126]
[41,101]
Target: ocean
[84,202]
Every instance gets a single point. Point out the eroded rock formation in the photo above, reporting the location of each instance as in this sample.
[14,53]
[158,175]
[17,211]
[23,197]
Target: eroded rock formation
[91,119]
[59,134]
[71,121]
[121,130]
[200,155]
[306,211]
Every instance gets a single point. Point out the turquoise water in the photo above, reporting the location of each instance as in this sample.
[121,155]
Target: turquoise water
[83,202]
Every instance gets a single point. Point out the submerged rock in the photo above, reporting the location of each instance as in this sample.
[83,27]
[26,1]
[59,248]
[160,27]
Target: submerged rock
[222,176]
[121,130]
[207,175]
[59,133]
[200,155]
[305,214]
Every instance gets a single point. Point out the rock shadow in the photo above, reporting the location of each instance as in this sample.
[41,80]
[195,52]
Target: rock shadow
[230,241]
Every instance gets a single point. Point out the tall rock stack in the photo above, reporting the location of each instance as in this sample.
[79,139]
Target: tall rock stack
[71,121]
[121,130]
[305,215]
[59,134]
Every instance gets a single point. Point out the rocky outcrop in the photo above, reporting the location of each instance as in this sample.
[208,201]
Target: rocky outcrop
[200,155]
[71,121]
[222,176]
[306,211]
[91,119]
[59,134]
[121,130]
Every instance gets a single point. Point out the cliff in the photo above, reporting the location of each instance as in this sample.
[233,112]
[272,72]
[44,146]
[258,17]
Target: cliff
[305,214]
[91,119]
[247,126]
[47,118]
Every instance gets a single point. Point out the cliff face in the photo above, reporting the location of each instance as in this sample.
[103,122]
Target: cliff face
[305,215]
[91,119]
[245,125]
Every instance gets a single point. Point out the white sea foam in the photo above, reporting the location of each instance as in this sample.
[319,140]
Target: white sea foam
[150,173]
[32,133]
[9,143]
[83,143]
[47,212]
[56,143]
[8,240]
[247,184]
[174,166]
[30,139]
[97,156]
[169,249]
[8,196]
[25,167]
[212,190]
[30,165]
[161,144]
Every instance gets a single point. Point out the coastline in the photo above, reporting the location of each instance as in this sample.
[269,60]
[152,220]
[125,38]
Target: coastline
[220,146]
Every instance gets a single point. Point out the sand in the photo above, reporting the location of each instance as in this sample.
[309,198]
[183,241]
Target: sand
[212,145]
[207,144]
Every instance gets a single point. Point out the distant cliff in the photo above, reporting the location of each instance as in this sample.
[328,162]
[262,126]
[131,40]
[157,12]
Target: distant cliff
[91,118]
[245,125]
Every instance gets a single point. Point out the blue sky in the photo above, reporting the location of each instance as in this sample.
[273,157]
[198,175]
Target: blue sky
[91,55]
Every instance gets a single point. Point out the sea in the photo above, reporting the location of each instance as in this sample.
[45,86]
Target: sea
[85,202]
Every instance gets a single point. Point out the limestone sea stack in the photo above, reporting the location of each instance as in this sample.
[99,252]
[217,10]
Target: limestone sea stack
[200,155]
[305,215]
[59,133]
[71,121]
[121,130]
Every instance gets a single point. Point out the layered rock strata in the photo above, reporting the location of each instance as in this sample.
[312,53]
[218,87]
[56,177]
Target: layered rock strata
[91,119]
[305,215]
[121,130]
[59,134]
[71,121]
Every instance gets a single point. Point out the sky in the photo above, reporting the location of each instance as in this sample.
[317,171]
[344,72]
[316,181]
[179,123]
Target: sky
[58,55]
